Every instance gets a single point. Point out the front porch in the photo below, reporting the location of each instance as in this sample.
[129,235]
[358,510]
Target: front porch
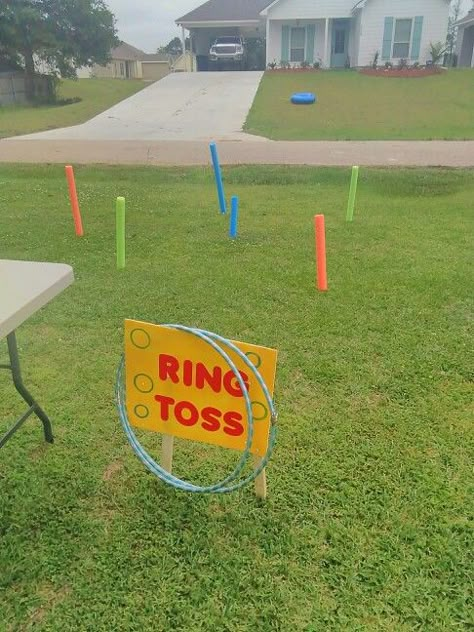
[465,40]
[328,41]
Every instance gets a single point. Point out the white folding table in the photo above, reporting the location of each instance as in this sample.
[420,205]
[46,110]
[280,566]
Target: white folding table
[25,287]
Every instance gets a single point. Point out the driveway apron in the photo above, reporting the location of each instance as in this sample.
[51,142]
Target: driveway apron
[182,106]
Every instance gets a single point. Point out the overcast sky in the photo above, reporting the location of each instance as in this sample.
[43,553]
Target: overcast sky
[148,24]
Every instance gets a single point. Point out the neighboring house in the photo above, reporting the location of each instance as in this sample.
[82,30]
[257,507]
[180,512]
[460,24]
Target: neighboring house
[124,64]
[465,40]
[129,62]
[336,33]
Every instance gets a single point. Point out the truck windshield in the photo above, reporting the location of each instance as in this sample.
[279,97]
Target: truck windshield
[227,40]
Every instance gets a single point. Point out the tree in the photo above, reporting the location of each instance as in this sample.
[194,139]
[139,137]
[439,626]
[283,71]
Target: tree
[62,34]
[174,46]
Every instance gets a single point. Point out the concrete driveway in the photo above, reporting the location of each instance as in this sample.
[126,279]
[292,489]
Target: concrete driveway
[182,106]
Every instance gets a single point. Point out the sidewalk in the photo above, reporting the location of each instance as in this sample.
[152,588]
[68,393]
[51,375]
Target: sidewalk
[170,153]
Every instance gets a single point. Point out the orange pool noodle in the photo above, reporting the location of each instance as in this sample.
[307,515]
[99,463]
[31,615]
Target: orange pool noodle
[76,213]
[322,279]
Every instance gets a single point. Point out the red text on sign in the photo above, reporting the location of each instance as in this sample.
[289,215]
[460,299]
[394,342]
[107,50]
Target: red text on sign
[197,374]
[187,414]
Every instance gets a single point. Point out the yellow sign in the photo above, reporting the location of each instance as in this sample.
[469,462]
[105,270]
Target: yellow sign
[177,384]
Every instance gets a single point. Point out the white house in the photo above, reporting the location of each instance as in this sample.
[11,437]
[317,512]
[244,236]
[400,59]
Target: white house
[336,33]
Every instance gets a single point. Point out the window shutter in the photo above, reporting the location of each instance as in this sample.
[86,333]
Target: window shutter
[387,39]
[416,40]
[285,43]
[310,33]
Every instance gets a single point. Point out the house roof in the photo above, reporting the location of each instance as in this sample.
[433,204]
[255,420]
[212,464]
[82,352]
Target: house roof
[127,52]
[156,57]
[237,11]
[226,11]
[467,19]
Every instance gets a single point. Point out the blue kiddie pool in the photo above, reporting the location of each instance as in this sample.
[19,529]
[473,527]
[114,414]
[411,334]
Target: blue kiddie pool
[303,98]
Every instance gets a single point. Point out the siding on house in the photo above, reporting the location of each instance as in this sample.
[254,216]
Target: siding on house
[435,25]
[311,9]
[355,39]
[117,69]
[274,49]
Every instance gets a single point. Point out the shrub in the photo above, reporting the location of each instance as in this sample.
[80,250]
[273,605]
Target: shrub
[375,60]
[305,64]
[69,101]
[284,64]
[316,65]
[272,65]
[437,51]
[402,64]
[388,65]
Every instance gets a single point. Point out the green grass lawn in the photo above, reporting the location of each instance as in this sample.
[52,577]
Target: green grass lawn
[97,95]
[352,106]
[369,521]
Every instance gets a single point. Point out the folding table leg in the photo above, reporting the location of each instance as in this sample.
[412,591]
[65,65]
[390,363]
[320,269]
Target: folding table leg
[22,390]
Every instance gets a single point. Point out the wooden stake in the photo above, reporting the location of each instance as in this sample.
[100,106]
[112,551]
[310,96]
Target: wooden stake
[261,480]
[167,443]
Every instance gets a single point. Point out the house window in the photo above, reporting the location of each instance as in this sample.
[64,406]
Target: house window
[402,39]
[297,44]
[122,69]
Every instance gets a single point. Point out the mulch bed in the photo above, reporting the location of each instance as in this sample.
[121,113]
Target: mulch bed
[411,73]
[294,70]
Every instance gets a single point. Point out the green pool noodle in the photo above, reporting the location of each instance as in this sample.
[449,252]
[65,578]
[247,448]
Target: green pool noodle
[352,194]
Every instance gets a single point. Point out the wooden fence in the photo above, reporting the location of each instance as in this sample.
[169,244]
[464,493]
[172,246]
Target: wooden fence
[12,88]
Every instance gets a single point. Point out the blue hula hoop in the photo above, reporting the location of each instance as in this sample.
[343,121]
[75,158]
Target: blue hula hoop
[230,482]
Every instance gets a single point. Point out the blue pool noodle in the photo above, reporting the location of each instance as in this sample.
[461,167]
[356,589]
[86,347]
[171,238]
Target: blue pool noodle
[217,171]
[234,215]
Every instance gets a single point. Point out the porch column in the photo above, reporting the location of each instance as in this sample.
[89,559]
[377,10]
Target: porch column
[326,61]
[183,44]
[191,50]
[267,43]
